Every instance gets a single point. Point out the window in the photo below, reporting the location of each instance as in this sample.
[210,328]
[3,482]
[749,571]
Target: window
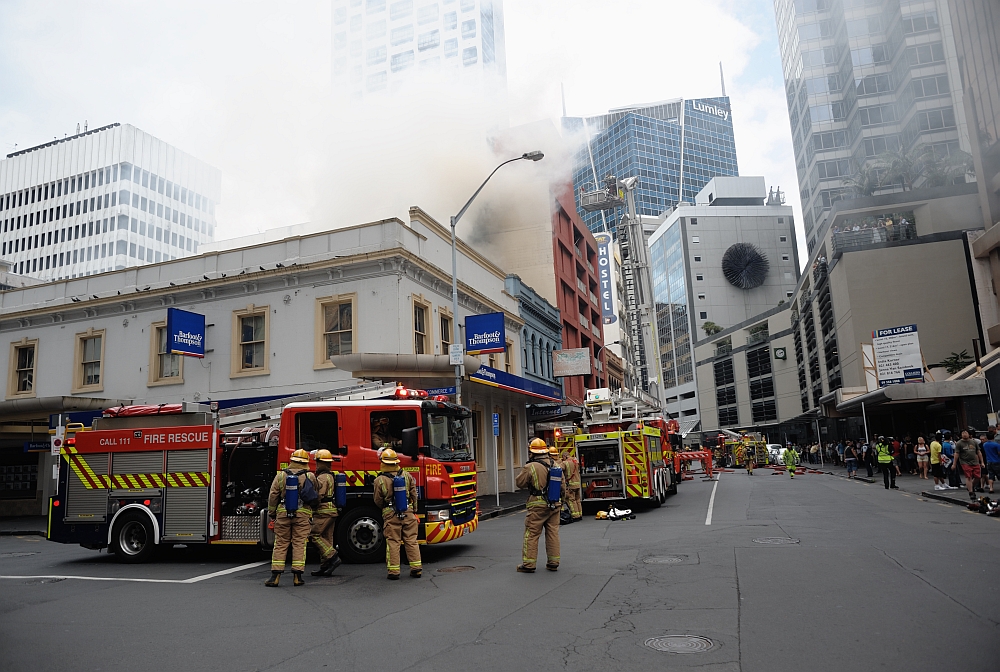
[925,53]
[21,382]
[782,239]
[831,169]
[445,333]
[701,296]
[881,144]
[699,277]
[420,331]
[508,357]
[376,55]
[470,55]
[827,112]
[450,21]
[250,342]
[814,31]
[818,57]
[451,47]
[825,84]
[694,221]
[697,258]
[428,40]
[788,295]
[925,87]
[865,26]
[401,61]
[427,14]
[879,114]
[88,369]
[872,84]
[401,9]
[784,257]
[164,368]
[829,140]
[402,35]
[695,239]
[918,23]
[877,53]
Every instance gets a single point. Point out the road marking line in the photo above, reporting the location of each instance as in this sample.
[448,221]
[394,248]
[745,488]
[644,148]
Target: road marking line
[194,579]
[711,501]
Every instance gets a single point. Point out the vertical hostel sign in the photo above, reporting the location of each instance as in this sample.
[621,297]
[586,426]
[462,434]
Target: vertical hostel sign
[185,333]
[485,334]
[605,279]
[897,355]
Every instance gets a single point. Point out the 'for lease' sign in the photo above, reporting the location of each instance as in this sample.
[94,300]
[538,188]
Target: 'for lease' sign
[897,355]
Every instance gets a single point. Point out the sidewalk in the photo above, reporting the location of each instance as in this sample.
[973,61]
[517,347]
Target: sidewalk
[21,525]
[509,502]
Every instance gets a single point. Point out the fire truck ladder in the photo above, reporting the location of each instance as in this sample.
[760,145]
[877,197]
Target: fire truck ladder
[268,412]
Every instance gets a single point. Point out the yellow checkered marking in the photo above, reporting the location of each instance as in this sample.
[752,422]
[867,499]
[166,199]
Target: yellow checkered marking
[92,481]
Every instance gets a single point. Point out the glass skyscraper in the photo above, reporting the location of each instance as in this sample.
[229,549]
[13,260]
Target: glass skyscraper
[863,79]
[645,141]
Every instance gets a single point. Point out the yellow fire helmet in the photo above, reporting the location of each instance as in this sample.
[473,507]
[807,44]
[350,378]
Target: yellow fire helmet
[300,456]
[553,451]
[389,459]
[324,455]
[538,447]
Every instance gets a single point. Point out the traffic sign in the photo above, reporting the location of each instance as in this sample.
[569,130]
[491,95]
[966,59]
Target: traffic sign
[496,424]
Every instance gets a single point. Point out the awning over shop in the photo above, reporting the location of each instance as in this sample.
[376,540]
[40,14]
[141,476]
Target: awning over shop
[554,412]
[508,381]
[41,407]
[906,394]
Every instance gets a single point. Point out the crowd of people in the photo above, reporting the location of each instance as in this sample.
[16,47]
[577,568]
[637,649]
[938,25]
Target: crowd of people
[966,459]
[878,230]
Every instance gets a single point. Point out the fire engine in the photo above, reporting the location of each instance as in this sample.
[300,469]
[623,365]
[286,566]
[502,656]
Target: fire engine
[623,453]
[144,477]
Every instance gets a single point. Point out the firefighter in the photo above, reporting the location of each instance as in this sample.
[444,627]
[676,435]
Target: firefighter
[380,434]
[399,527]
[539,514]
[790,457]
[750,459]
[571,481]
[325,518]
[291,528]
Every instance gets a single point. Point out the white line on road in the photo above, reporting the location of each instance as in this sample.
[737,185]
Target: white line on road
[711,501]
[194,579]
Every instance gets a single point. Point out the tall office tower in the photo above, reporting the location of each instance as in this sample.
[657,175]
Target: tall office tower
[724,260]
[377,44]
[103,199]
[865,79]
[645,140]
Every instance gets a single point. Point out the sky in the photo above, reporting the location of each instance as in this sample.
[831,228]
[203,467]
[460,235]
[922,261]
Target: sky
[245,86]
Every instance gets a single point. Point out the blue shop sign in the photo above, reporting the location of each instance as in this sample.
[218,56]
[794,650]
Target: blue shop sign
[508,381]
[485,334]
[185,333]
[605,280]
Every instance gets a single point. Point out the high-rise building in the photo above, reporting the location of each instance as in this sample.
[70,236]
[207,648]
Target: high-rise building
[866,80]
[101,200]
[645,141]
[378,43]
[723,260]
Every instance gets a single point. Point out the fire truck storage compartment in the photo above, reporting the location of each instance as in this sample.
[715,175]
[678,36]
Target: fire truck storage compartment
[129,474]
[85,504]
[185,509]
[600,469]
[246,473]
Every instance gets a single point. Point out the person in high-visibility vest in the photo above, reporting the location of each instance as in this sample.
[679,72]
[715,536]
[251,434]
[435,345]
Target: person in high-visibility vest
[790,457]
[750,459]
[883,453]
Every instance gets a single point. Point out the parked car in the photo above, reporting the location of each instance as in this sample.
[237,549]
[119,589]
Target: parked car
[774,451]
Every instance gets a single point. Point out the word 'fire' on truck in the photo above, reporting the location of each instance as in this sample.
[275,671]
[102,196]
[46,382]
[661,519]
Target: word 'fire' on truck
[145,477]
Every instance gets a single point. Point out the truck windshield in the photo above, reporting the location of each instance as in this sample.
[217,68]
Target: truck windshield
[448,438]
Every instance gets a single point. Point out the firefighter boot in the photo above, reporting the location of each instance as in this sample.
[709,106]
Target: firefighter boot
[297,579]
[326,569]
[415,573]
[273,581]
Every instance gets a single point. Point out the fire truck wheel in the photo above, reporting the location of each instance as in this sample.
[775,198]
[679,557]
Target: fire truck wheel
[674,479]
[664,477]
[359,535]
[132,537]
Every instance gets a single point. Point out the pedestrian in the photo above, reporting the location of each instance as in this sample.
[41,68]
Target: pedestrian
[911,456]
[540,514]
[571,485]
[290,506]
[937,463]
[790,458]
[883,453]
[325,518]
[750,461]
[868,455]
[922,456]
[851,459]
[840,453]
[950,468]
[897,454]
[991,453]
[399,519]
[814,453]
[969,458]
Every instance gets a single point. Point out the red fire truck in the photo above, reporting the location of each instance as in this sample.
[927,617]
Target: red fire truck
[145,476]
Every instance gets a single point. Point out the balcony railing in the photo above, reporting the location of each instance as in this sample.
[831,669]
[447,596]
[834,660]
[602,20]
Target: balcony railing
[593,299]
[581,286]
[723,348]
[757,337]
[844,240]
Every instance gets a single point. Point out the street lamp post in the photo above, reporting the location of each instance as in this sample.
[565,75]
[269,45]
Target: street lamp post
[530,156]
[599,359]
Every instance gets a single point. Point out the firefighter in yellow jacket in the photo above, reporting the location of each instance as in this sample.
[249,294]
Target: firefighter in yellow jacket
[571,482]
[539,513]
[291,528]
[325,518]
[399,527]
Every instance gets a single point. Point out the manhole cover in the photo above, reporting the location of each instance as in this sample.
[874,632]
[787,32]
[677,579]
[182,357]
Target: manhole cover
[456,569]
[775,541]
[665,559]
[681,644]
[17,555]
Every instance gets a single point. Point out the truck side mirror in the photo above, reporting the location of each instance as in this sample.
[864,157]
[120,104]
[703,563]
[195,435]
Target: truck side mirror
[410,445]
[343,450]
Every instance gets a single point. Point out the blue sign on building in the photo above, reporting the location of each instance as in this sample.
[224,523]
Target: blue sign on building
[604,278]
[508,381]
[484,334]
[185,333]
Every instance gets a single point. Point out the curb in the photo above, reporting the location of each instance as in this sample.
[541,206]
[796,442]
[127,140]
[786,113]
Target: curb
[494,513]
[20,533]
[856,478]
[951,500]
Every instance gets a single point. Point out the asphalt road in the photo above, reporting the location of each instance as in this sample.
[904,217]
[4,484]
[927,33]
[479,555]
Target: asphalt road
[879,580]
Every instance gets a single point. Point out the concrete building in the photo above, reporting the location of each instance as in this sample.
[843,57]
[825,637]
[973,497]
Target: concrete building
[908,262]
[379,43]
[10,280]
[647,141]
[101,200]
[863,79]
[541,334]
[308,312]
[724,260]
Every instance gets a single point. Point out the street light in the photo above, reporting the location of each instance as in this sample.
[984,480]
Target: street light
[599,358]
[530,156]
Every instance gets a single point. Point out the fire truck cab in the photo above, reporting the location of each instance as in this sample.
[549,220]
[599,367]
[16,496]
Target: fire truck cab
[147,477]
